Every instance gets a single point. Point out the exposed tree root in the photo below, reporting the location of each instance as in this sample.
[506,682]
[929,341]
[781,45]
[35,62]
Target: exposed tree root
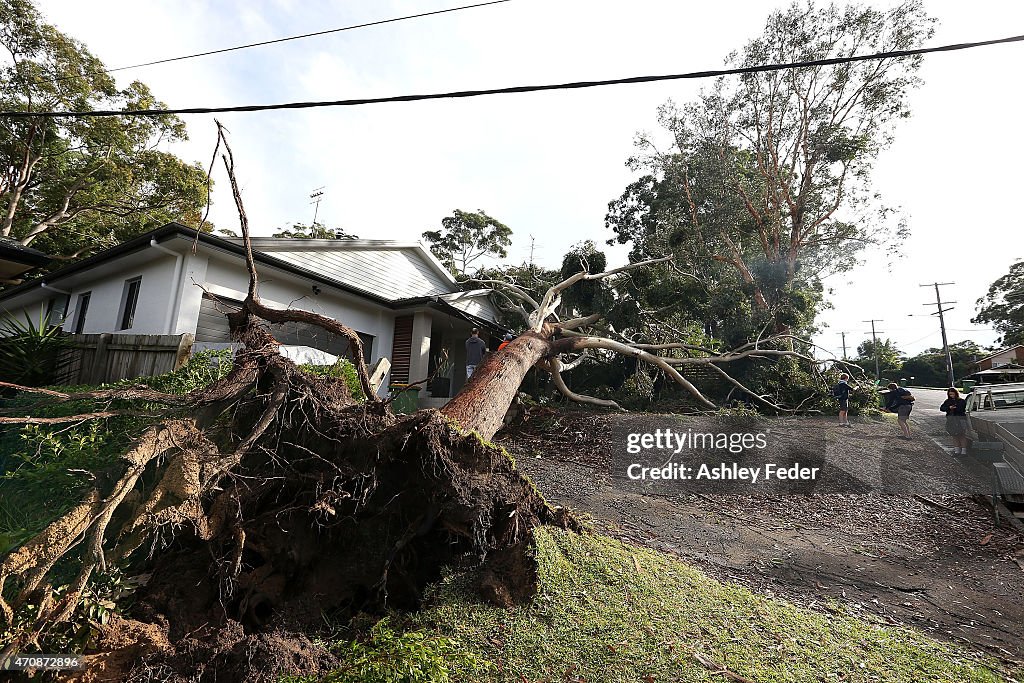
[303,502]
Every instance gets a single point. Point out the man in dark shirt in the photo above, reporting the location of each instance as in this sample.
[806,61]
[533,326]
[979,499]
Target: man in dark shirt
[841,392]
[901,402]
[475,349]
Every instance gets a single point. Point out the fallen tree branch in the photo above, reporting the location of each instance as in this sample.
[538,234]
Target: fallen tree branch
[554,367]
[141,393]
[31,420]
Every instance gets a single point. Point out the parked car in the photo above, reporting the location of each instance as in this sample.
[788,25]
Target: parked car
[996,397]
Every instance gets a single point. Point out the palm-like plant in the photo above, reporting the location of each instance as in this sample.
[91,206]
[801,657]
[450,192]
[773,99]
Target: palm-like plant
[30,351]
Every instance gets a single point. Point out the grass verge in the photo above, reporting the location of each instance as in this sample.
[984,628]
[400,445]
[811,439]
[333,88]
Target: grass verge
[607,612]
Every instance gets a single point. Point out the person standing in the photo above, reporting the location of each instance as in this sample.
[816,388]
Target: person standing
[901,402]
[955,409]
[475,349]
[841,391]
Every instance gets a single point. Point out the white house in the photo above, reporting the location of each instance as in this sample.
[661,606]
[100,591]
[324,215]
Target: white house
[405,305]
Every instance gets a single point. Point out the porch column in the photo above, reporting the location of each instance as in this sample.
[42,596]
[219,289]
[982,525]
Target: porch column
[419,358]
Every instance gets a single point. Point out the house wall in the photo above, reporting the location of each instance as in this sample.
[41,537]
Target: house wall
[1014,355]
[106,299]
[226,277]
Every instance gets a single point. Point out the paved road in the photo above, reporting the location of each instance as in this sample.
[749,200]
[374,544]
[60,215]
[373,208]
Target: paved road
[926,416]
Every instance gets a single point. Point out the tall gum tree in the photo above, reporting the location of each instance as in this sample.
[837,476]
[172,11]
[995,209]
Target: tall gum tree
[768,173]
[70,185]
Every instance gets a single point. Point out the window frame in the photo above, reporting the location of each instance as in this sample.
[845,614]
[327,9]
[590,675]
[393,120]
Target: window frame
[81,311]
[126,317]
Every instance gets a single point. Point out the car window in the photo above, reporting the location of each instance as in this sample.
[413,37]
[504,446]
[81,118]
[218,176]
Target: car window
[1008,399]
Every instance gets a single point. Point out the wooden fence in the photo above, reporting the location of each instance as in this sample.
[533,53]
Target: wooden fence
[99,358]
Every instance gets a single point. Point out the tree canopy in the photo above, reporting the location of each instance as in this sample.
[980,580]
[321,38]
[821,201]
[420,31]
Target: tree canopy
[464,238]
[70,185]
[890,358]
[316,231]
[765,186]
[1003,306]
[929,368]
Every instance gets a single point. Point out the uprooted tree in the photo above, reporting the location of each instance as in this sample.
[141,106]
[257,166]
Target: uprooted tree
[272,495]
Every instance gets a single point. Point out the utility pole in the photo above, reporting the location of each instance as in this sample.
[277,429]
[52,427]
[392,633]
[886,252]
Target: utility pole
[939,303]
[844,344]
[874,346]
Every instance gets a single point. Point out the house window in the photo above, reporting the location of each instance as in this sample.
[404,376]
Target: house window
[83,309]
[129,301]
[56,309]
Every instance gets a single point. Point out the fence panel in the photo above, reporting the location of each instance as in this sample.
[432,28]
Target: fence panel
[100,358]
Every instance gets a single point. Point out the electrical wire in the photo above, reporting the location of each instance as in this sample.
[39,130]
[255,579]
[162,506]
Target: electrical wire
[306,35]
[516,89]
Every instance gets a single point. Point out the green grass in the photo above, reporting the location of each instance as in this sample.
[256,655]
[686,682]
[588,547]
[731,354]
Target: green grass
[607,612]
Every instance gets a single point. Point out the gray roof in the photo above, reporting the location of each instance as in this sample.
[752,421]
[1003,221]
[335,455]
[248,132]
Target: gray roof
[392,270]
[16,251]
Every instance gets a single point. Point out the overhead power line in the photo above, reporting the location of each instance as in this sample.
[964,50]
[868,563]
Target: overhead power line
[517,89]
[306,35]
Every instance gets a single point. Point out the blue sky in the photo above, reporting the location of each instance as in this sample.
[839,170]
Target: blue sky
[547,164]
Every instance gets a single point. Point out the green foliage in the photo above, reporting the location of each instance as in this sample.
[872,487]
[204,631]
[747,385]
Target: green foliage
[203,368]
[890,358]
[587,296]
[77,184]
[389,656]
[466,237]
[1003,306]
[44,469]
[30,352]
[929,368]
[316,231]
[343,369]
[107,593]
[766,186]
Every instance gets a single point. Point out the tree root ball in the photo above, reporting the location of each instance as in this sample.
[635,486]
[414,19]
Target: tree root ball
[346,510]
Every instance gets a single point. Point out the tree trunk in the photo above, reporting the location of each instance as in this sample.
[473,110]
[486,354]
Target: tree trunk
[483,402]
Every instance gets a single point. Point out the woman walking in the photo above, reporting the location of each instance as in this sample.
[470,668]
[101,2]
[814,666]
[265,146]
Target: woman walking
[955,409]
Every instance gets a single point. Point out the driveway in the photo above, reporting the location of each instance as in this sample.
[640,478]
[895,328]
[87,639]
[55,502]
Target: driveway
[930,559]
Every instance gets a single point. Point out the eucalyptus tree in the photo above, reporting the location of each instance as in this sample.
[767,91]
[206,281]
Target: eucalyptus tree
[1003,306]
[766,180]
[72,184]
[465,238]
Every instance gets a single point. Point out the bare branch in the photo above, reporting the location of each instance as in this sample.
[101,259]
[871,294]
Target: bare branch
[551,299]
[579,343]
[140,393]
[555,368]
[576,323]
[513,289]
[30,420]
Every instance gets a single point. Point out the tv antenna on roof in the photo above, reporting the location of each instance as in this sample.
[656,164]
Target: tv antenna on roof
[318,194]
